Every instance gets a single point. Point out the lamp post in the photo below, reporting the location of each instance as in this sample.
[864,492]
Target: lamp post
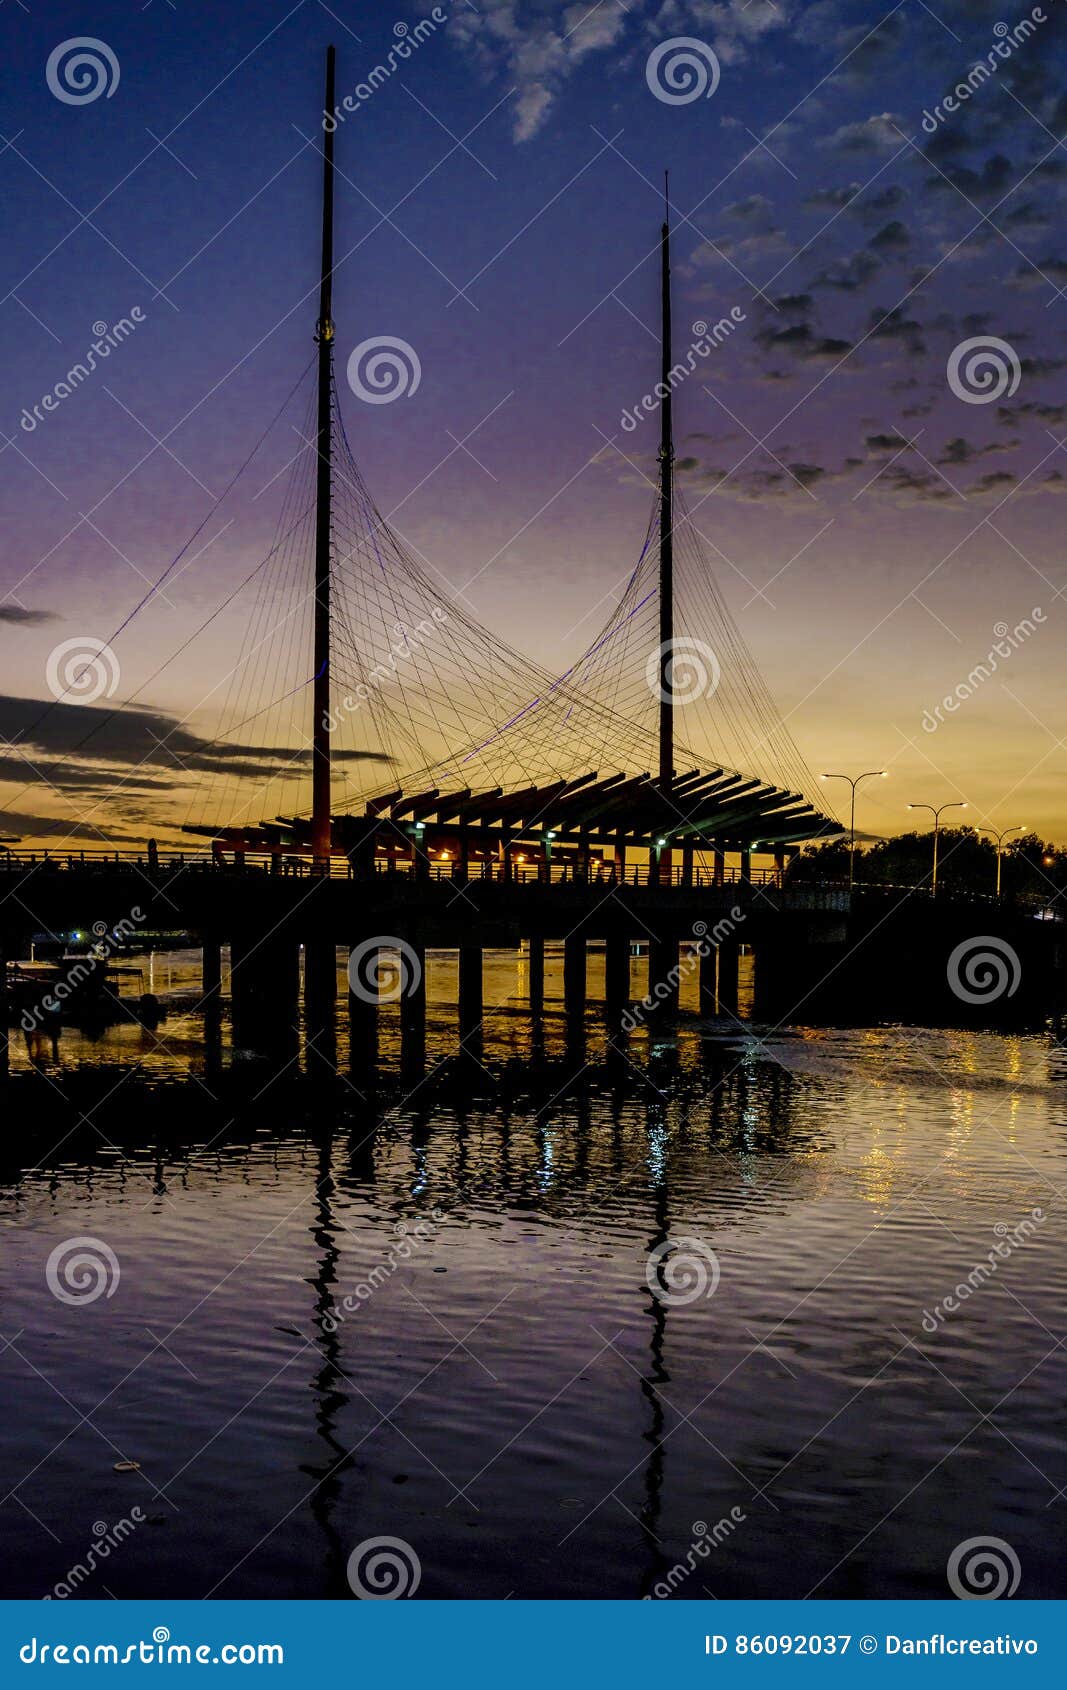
[853,781]
[957,804]
[1020,827]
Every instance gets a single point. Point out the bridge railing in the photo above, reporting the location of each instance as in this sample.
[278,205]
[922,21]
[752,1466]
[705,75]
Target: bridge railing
[277,864]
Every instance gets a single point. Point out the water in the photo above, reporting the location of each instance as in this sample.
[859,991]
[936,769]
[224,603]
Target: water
[509,1398]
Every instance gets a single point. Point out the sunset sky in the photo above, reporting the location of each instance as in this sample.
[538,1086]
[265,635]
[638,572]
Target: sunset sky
[498,209]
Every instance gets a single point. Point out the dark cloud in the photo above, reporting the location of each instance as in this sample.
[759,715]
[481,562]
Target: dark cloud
[878,443]
[19,617]
[894,325]
[1009,415]
[801,340]
[990,182]
[891,238]
[850,274]
[94,750]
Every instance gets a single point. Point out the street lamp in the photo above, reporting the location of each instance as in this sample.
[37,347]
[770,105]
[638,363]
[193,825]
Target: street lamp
[957,804]
[868,774]
[1020,827]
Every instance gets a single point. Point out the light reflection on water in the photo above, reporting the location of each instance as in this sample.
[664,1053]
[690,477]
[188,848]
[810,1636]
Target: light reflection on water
[512,1401]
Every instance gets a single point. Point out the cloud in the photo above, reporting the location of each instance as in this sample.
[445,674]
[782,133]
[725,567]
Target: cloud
[17,616]
[535,52]
[849,274]
[880,133]
[755,205]
[891,238]
[92,749]
[893,325]
[996,175]
[802,340]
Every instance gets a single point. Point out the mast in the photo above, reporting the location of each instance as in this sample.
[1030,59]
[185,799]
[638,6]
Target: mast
[324,335]
[666,519]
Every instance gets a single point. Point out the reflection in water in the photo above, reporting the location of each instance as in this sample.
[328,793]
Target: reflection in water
[513,1401]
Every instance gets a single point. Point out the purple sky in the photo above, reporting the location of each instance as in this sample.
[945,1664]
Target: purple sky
[498,211]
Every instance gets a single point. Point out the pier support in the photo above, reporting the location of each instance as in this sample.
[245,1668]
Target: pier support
[729,960]
[363,1014]
[413,1012]
[320,1002]
[5,1053]
[211,973]
[663,975]
[708,958]
[536,965]
[574,976]
[470,997]
[617,974]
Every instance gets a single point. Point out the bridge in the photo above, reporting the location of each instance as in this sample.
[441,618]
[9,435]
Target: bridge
[461,794]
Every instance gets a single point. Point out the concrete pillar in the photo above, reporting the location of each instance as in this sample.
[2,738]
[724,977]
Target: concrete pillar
[617,973]
[687,865]
[708,958]
[746,867]
[729,959]
[574,974]
[211,971]
[718,866]
[620,860]
[470,993]
[779,867]
[413,1011]
[536,964]
[363,1011]
[320,974]
[662,962]
[5,1054]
